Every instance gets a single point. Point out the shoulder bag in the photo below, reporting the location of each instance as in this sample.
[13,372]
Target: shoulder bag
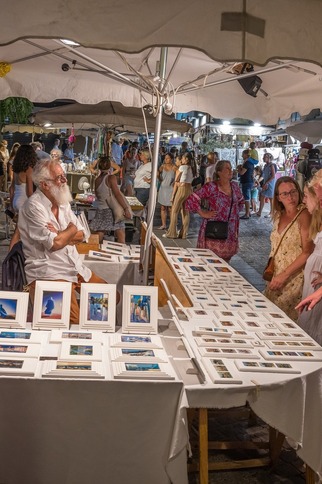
[217,229]
[117,209]
[269,269]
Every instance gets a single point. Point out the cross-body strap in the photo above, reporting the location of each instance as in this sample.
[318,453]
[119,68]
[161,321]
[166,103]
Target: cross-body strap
[290,225]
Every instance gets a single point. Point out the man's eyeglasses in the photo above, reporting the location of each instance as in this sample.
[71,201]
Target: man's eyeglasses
[291,193]
[59,178]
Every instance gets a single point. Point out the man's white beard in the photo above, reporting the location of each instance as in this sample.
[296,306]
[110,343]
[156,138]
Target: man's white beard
[61,194]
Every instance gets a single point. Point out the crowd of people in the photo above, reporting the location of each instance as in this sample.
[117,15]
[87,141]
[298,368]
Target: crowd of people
[40,198]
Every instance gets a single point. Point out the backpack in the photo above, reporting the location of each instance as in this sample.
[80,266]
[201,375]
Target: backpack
[13,270]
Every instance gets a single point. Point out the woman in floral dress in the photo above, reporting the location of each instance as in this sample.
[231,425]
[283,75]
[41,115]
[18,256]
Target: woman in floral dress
[220,195]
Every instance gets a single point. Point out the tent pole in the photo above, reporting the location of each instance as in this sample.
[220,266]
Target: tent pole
[153,187]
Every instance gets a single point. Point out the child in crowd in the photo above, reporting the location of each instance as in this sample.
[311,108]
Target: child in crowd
[256,187]
[253,153]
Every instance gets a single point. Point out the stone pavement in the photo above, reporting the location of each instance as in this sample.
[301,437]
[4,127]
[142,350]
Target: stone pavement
[250,262]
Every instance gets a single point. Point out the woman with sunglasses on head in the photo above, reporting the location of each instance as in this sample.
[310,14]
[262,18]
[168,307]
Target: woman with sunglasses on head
[290,246]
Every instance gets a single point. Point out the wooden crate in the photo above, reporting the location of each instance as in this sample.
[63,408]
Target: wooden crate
[92,244]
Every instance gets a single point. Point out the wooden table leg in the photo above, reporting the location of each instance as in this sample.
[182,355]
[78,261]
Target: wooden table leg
[203,446]
[276,440]
[309,475]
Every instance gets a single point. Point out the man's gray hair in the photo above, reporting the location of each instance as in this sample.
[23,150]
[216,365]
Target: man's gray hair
[41,171]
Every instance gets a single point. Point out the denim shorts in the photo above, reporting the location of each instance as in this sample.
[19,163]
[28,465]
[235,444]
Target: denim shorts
[246,190]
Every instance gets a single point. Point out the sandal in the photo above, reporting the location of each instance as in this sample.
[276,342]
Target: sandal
[162,227]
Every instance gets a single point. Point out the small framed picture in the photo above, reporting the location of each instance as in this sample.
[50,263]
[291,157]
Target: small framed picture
[278,354]
[142,355]
[23,336]
[211,330]
[103,256]
[301,345]
[286,325]
[97,307]
[186,259]
[142,371]
[265,366]
[13,309]
[135,341]
[19,349]
[196,252]
[76,350]
[140,309]
[73,369]
[197,269]
[14,366]
[52,305]
[220,371]
[58,335]
[285,335]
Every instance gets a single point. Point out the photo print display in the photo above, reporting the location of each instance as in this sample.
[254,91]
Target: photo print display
[57,336]
[265,366]
[219,371]
[140,309]
[19,349]
[103,256]
[14,366]
[52,305]
[97,307]
[13,309]
[141,355]
[72,369]
[142,371]
[135,341]
[76,350]
[290,355]
[23,336]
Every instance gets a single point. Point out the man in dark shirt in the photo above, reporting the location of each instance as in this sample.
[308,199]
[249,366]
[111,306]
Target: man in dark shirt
[246,171]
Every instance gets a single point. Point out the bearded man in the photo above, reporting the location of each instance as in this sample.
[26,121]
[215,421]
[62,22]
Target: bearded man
[49,231]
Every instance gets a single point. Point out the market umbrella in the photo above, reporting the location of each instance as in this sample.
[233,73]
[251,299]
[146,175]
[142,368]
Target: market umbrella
[107,113]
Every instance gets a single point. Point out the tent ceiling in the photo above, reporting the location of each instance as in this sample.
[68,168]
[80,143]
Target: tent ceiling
[195,82]
[226,30]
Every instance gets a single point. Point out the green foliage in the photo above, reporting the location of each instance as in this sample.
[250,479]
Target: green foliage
[15,110]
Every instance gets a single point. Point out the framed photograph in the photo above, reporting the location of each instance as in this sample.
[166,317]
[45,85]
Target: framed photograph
[97,307]
[119,340]
[286,325]
[23,336]
[114,250]
[220,342]
[140,309]
[186,259]
[211,330]
[13,309]
[230,323]
[300,345]
[19,349]
[290,355]
[201,252]
[222,270]
[76,350]
[73,369]
[197,269]
[285,335]
[265,366]
[220,372]
[52,305]
[129,258]
[13,366]
[142,371]
[142,355]
[103,256]
[228,352]
[58,335]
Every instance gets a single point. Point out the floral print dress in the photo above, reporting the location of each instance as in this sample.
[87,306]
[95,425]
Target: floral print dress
[220,202]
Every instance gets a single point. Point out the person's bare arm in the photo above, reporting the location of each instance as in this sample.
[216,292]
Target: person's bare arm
[69,236]
[113,184]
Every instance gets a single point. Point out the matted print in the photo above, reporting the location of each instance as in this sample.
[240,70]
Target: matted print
[98,307]
[103,256]
[142,371]
[284,335]
[77,350]
[57,336]
[220,371]
[19,349]
[13,309]
[141,355]
[300,345]
[73,369]
[265,366]
[52,305]
[14,366]
[290,355]
[140,309]
[119,340]
[23,336]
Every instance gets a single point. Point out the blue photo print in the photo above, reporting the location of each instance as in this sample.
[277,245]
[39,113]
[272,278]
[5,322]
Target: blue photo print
[140,309]
[8,308]
[97,307]
[52,303]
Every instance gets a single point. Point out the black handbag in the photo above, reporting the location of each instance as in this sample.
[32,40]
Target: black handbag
[217,229]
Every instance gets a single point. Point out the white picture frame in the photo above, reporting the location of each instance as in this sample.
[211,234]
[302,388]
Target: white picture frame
[298,345]
[22,350]
[140,309]
[58,336]
[265,366]
[187,259]
[212,330]
[73,369]
[119,340]
[287,325]
[199,252]
[55,315]
[105,257]
[142,371]
[294,355]
[13,309]
[285,335]
[11,366]
[216,352]
[142,355]
[197,269]
[219,372]
[227,342]
[97,307]
[23,336]
[84,351]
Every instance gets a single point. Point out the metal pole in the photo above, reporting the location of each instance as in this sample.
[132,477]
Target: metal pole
[153,189]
